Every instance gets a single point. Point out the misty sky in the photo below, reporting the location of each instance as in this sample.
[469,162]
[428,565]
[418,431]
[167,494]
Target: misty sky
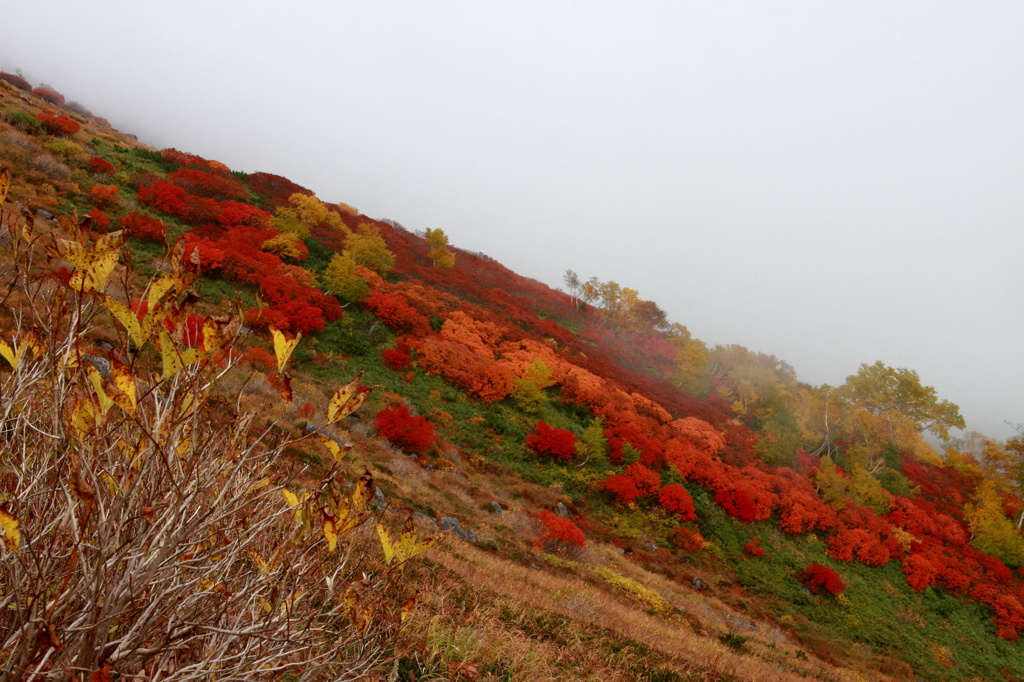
[832,183]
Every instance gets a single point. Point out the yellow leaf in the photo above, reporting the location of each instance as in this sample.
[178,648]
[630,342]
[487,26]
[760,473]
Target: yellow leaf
[101,395]
[283,347]
[385,542]
[111,483]
[256,486]
[93,267]
[124,382]
[330,532]
[363,492]
[5,184]
[260,562]
[347,400]
[407,609]
[8,354]
[169,355]
[9,528]
[160,288]
[293,503]
[337,451]
[127,318]
[289,497]
[14,355]
[212,343]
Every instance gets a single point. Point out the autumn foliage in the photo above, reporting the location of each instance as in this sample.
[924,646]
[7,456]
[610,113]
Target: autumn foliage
[58,124]
[675,499]
[559,533]
[558,444]
[405,430]
[99,166]
[818,578]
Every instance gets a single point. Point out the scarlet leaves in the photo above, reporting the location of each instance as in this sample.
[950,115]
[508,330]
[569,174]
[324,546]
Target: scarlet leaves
[559,533]
[58,124]
[818,578]
[559,444]
[406,431]
[398,358]
[144,227]
[675,499]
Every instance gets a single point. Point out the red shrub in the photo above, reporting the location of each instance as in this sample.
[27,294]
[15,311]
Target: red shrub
[260,358]
[49,94]
[847,543]
[58,124]
[183,158]
[737,501]
[275,187]
[919,572]
[646,481]
[688,539]
[754,548]
[100,166]
[559,533]
[16,81]
[1009,617]
[237,213]
[558,444]
[201,183]
[392,310]
[397,358]
[100,222]
[144,227]
[105,196]
[622,487]
[817,577]
[406,431]
[675,499]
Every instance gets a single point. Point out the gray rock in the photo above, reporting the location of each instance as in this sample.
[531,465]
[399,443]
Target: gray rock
[496,508]
[651,547]
[102,365]
[42,213]
[561,509]
[423,517]
[697,584]
[451,524]
[378,497]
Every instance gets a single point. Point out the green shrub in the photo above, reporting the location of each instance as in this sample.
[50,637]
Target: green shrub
[66,149]
[25,123]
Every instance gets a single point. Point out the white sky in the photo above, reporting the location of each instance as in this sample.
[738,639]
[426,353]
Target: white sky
[832,183]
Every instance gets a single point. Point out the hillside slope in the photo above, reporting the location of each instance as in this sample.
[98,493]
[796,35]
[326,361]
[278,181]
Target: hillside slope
[618,501]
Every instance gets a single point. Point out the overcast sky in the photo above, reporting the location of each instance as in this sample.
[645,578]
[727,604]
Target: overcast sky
[831,183]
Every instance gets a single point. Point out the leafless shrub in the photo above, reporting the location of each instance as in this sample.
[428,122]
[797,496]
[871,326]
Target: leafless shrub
[151,538]
[50,166]
[14,138]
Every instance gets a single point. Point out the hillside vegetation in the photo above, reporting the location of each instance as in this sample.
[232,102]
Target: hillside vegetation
[251,434]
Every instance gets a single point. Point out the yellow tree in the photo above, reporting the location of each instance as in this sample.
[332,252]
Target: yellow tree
[367,247]
[991,531]
[691,359]
[304,213]
[1005,464]
[442,257]
[287,245]
[340,279]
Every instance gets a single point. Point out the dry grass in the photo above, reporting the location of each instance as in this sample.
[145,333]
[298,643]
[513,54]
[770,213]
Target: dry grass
[480,636]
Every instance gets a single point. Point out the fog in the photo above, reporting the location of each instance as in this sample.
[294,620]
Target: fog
[831,183]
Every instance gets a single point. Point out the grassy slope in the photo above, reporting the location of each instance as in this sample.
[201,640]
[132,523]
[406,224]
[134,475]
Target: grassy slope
[502,610]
